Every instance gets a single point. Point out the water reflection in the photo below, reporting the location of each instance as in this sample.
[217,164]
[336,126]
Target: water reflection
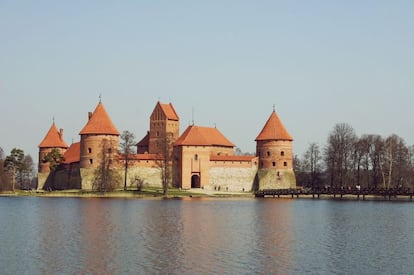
[97,238]
[162,245]
[274,236]
[213,236]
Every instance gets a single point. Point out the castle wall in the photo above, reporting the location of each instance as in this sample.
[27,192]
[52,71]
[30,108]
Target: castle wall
[273,179]
[41,180]
[151,176]
[66,177]
[234,178]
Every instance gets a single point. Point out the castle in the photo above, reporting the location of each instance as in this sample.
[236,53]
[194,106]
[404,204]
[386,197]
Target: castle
[201,157]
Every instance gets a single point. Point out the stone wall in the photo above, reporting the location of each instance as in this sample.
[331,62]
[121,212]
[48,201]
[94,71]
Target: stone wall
[273,179]
[151,176]
[235,179]
[41,180]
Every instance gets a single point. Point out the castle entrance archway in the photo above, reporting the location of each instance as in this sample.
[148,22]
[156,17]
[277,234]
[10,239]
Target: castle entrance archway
[195,181]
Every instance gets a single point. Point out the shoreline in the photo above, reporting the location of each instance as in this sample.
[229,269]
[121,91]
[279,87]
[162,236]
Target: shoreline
[129,194]
[197,194]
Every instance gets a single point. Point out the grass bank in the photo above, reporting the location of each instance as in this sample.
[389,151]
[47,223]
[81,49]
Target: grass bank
[146,192]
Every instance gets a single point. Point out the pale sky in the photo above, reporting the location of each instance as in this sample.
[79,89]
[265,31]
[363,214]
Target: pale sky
[319,62]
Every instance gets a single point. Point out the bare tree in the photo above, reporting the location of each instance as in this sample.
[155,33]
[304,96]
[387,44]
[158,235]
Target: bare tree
[395,162]
[27,172]
[338,154]
[312,164]
[106,178]
[126,144]
[165,161]
[300,173]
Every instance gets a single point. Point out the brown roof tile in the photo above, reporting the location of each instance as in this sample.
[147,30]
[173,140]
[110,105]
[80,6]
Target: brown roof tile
[99,123]
[274,130]
[169,111]
[203,136]
[144,141]
[73,153]
[53,139]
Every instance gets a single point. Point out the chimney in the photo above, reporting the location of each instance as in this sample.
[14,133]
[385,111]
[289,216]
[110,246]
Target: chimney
[89,115]
[61,133]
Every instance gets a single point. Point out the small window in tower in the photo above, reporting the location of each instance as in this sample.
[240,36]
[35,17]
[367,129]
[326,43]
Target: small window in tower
[158,134]
[109,150]
[278,173]
[195,157]
[268,153]
[285,164]
[274,164]
[282,153]
[90,161]
[89,150]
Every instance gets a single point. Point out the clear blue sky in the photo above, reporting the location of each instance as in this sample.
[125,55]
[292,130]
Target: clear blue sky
[318,62]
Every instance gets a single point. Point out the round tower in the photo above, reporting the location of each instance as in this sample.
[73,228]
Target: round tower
[274,147]
[99,139]
[52,140]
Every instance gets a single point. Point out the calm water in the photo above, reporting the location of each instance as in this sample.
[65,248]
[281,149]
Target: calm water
[213,236]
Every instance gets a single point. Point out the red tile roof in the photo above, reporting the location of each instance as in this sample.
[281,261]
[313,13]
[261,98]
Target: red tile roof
[100,123]
[53,139]
[274,130]
[231,158]
[73,153]
[203,136]
[169,111]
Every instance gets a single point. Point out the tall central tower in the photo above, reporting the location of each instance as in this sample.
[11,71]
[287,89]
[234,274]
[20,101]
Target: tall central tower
[164,127]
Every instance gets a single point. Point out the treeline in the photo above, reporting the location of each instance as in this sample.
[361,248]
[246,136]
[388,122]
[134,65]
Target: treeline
[16,170]
[371,161]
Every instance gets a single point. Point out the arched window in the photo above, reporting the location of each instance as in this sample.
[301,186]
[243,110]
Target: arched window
[282,153]
[274,164]
[268,153]
[195,157]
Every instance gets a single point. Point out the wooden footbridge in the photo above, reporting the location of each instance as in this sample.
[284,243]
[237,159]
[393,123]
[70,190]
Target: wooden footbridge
[340,193]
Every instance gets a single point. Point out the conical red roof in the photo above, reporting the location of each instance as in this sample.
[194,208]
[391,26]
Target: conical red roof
[100,123]
[274,130]
[53,139]
[203,136]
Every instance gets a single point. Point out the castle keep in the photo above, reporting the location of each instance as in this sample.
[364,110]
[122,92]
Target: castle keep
[201,157]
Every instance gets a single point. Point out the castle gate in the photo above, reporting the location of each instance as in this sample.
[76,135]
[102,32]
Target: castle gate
[195,181]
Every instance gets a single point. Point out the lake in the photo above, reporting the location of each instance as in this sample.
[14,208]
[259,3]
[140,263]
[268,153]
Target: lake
[201,235]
